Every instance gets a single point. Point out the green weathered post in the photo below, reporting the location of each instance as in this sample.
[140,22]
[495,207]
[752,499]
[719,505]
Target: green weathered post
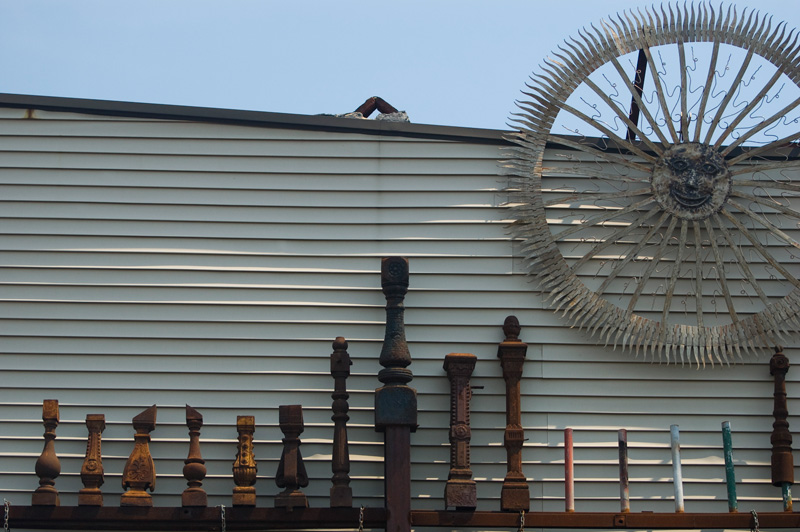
[730,477]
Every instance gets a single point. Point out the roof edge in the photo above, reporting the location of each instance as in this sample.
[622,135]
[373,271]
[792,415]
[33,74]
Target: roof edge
[253,118]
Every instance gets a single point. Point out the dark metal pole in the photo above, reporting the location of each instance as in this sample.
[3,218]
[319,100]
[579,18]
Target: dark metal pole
[782,461]
[638,85]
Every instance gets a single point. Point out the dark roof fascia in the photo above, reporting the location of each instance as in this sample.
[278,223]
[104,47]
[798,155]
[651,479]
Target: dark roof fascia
[253,118]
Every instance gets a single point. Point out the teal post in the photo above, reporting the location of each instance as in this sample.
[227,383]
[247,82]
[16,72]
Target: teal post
[730,477]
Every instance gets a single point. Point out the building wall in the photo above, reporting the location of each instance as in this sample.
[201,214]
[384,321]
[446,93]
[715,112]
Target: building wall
[172,262]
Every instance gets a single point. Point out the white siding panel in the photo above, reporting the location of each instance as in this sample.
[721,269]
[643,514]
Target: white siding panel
[169,262]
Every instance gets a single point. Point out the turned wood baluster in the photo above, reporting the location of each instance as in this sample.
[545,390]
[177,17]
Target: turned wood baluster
[395,401]
[244,467]
[194,470]
[92,468]
[140,472]
[460,490]
[291,470]
[48,467]
[341,492]
[515,494]
[781,438]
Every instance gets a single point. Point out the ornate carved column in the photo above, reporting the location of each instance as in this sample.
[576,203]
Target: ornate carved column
[515,494]
[92,468]
[140,472]
[341,492]
[782,461]
[48,467]
[460,491]
[291,470]
[244,467]
[194,470]
[395,401]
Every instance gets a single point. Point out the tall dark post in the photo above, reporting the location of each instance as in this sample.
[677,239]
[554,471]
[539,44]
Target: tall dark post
[515,494]
[782,462]
[460,491]
[395,401]
[341,492]
[194,469]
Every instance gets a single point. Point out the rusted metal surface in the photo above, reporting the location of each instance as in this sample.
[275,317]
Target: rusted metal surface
[341,492]
[194,469]
[395,401]
[92,468]
[515,494]
[140,471]
[657,214]
[236,518]
[48,466]
[245,467]
[607,521]
[460,491]
[781,438]
[291,473]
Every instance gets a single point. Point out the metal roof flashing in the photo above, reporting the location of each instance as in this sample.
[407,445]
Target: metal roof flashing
[253,118]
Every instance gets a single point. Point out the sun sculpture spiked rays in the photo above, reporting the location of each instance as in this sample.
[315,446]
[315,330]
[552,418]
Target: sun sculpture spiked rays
[655,182]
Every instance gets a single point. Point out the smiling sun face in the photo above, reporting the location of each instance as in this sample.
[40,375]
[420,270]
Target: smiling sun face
[691,181]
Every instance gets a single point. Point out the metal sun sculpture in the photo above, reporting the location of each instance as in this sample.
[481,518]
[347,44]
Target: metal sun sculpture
[675,235]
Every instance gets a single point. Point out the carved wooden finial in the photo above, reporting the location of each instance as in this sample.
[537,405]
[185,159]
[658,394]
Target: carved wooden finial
[48,467]
[515,494]
[782,461]
[244,467]
[140,472]
[460,491]
[92,468]
[341,492]
[194,470]
[291,470]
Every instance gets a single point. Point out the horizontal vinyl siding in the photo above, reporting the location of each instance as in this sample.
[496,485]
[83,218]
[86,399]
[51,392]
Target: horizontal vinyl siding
[168,262]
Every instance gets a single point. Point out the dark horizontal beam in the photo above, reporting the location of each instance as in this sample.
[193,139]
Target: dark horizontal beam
[606,521]
[236,518]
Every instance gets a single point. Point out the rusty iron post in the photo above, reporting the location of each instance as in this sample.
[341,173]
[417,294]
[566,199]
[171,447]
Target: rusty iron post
[92,468]
[395,401]
[291,470]
[48,466]
[460,491]
[515,494]
[140,471]
[341,492]
[244,467]
[569,472]
[194,469]
[781,439]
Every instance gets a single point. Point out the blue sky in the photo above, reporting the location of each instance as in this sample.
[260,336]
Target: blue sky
[444,62]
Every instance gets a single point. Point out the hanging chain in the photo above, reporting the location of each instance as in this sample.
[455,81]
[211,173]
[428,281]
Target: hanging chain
[7,505]
[522,521]
[222,517]
[361,519]
[755,521]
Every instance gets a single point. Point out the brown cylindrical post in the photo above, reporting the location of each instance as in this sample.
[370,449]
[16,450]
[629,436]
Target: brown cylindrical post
[244,467]
[460,492]
[140,471]
[341,492]
[48,467]
[782,461]
[194,469]
[92,468]
[515,495]
[395,401]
